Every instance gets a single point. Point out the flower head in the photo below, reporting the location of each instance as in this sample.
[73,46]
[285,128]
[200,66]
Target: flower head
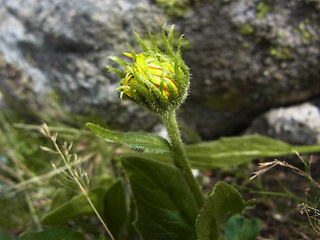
[159,72]
[156,80]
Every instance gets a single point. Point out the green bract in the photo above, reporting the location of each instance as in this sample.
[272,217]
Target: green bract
[155,80]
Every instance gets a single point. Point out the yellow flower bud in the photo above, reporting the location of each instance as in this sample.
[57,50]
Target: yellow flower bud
[156,80]
[153,70]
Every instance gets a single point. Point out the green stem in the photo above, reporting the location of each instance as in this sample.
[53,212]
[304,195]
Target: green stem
[179,156]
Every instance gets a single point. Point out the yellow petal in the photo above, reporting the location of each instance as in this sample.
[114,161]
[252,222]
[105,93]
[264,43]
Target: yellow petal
[127,54]
[141,64]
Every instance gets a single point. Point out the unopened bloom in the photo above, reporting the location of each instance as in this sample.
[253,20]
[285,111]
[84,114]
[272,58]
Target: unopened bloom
[156,80]
[159,73]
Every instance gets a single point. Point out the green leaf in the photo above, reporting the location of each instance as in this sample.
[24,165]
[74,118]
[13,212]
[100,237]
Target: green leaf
[163,157]
[118,60]
[165,207]
[52,234]
[241,228]
[232,151]
[146,141]
[142,44]
[118,72]
[223,201]
[101,180]
[75,207]
[115,208]
[110,202]
[61,196]
[238,150]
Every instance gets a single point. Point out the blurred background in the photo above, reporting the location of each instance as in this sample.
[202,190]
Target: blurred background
[254,65]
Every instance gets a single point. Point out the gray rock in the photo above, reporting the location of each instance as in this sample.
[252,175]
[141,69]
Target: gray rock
[246,57]
[298,124]
[63,46]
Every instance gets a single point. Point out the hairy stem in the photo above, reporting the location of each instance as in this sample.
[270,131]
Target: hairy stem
[179,155]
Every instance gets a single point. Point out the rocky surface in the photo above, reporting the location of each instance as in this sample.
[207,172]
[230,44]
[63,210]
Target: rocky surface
[249,56]
[63,46]
[298,124]
[246,56]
